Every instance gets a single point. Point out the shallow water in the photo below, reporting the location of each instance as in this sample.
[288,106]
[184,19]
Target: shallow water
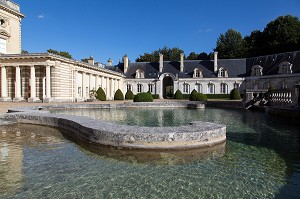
[260,159]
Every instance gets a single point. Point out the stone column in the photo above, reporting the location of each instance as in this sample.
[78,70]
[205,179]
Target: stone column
[112,88]
[97,82]
[4,96]
[76,84]
[18,85]
[102,82]
[32,85]
[107,88]
[83,85]
[48,84]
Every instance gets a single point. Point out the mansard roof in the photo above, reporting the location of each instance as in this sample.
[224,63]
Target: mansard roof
[235,68]
[270,63]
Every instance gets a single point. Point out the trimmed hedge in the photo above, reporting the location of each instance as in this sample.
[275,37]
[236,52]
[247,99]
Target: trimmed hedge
[155,96]
[193,95]
[129,95]
[178,95]
[218,96]
[101,94]
[119,95]
[143,97]
[201,97]
[235,94]
[186,96]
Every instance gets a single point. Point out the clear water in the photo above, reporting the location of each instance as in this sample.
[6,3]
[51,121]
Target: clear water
[261,159]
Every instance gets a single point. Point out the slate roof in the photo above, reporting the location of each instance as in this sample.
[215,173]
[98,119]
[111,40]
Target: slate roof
[270,63]
[234,67]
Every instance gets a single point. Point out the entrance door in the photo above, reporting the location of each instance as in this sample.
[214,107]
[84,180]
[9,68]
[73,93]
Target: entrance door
[168,87]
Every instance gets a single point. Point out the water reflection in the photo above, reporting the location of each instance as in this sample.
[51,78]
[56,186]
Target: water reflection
[13,139]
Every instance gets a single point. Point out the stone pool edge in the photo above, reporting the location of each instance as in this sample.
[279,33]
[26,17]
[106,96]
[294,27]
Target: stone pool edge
[197,134]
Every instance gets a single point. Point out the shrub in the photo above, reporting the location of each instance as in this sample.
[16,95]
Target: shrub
[143,97]
[155,96]
[129,95]
[186,96]
[218,96]
[101,94]
[201,97]
[235,94]
[119,95]
[178,95]
[193,96]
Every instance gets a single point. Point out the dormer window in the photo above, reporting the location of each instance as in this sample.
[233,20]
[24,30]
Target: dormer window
[285,68]
[256,71]
[222,72]
[197,73]
[139,74]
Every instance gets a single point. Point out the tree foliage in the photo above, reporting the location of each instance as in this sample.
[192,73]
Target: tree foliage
[235,94]
[143,97]
[129,95]
[170,54]
[119,95]
[201,56]
[101,94]
[178,95]
[60,53]
[231,45]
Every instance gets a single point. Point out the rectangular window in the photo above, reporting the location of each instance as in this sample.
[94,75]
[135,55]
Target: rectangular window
[150,88]
[79,91]
[129,87]
[139,88]
[2,46]
[186,88]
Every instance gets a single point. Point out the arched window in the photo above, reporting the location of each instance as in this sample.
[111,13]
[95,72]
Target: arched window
[211,88]
[285,68]
[139,74]
[197,73]
[256,70]
[198,88]
[222,72]
[282,85]
[186,88]
[129,87]
[139,88]
[223,88]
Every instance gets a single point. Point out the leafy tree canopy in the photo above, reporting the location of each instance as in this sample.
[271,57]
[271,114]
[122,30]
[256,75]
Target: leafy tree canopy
[170,54]
[231,45]
[61,53]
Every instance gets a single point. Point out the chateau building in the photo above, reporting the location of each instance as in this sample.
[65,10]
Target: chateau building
[47,77]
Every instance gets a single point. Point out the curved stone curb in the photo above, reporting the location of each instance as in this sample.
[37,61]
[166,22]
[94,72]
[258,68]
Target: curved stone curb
[197,134]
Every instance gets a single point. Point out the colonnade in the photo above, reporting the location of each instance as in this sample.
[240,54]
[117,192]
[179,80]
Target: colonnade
[18,83]
[83,87]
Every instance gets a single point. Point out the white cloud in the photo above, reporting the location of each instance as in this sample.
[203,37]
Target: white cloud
[205,30]
[41,16]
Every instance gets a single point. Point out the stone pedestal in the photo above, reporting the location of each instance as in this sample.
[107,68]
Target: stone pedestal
[33,99]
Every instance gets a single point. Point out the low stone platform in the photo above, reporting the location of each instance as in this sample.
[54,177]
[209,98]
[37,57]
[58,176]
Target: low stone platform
[197,134]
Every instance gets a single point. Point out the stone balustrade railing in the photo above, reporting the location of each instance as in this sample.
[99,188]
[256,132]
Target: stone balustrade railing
[283,97]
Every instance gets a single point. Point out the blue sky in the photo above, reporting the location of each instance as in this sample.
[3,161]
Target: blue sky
[111,28]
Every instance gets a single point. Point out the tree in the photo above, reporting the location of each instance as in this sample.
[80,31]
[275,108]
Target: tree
[101,94]
[230,45]
[60,53]
[282,34]
[192,56]
[24,52]
[203,56]
[170,54]
[129,95]
[254,44]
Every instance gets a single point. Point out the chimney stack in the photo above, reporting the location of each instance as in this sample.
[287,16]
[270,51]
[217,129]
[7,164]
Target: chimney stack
[161,62]
[181,62]
[125,60]
[109,62]
[91,60]
[215,61]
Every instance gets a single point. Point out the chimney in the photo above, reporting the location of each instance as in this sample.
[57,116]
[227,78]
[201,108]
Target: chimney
[215,62]
[109,62]
[125,60]
[161,62]
[181,62]
[91,60]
